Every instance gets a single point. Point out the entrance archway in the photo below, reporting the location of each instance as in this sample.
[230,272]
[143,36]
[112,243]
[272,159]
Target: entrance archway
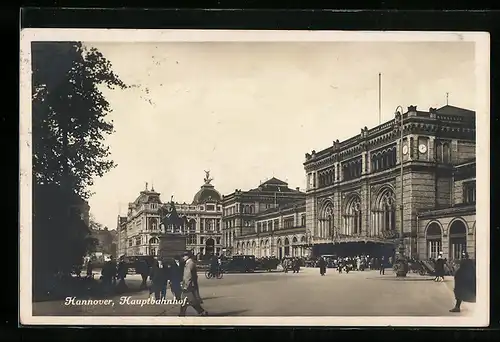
[209,246]
[458,239]
[434,239]
[295,247]
[287,247]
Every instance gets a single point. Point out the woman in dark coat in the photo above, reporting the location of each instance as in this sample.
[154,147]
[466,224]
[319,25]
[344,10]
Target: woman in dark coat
[322,266]
[465,283]
[439,267]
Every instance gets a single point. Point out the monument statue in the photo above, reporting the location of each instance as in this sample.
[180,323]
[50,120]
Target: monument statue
[207,177]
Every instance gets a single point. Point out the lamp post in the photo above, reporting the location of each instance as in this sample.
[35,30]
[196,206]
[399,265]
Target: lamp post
[401,264]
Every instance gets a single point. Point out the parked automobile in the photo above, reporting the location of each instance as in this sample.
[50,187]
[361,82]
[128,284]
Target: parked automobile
[240,263]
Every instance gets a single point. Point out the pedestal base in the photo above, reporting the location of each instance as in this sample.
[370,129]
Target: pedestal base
[401,265]
[401,269]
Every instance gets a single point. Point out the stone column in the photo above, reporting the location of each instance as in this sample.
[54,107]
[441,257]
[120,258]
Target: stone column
[453,151]
[364,161]
[430,149]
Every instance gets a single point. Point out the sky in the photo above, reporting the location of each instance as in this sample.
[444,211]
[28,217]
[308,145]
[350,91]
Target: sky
[248,111]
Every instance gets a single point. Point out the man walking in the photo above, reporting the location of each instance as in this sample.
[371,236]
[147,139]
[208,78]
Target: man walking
[382,266]
[189,287]
[176,273]
[465,283]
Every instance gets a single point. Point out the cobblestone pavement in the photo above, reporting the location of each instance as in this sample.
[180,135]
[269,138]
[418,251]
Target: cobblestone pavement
[286,294]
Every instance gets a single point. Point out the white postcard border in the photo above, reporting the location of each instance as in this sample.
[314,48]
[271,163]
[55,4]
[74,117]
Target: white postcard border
[480,317]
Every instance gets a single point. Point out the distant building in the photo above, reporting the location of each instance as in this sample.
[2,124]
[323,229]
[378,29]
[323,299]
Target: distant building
[139,231]
[353,201]
[107,241]
[242,210]
[278,231]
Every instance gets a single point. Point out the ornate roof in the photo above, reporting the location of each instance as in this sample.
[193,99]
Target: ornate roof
[207,193]
[148,196]
[274,185]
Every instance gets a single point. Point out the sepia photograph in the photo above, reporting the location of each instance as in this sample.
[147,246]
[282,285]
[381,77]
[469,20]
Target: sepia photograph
[175,177]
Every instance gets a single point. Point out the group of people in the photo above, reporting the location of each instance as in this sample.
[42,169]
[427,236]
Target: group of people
[182,276]
[113,274]
[179,274]
[291,264]
[357,263]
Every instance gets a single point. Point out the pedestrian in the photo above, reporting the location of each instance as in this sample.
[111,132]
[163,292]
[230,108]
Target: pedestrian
[158,280]
[439,268]
[322,266]
[121,274]
[465,283]
[382,266]
[108,272]
[89,269]
[142,268]
[176,273]
[189,287]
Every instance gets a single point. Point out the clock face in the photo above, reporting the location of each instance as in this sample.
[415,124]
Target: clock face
[405,149]
[422,148]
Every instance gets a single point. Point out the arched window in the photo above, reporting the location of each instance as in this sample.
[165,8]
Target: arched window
[154,241]
[458,239]
[384,214]
[352,216]
[439,152]
[153,223]
[326,220]
[287,247]
[434,239]
[446,153]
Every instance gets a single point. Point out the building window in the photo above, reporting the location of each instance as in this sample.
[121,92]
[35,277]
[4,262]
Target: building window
[434,248]
[303,220]
[434,240]
[191,239]
[352,216]
[202,227]
[326,177]
[470,192]
[383,160]
[217,240]
[270,226]
[276,224]
[130,243]
[138,241]
[288,223]
[443,152]
[352,169]
[210,207]
[259,227]
[202,240]
[264,226]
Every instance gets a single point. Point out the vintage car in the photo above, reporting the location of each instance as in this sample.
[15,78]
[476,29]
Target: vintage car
[240,264]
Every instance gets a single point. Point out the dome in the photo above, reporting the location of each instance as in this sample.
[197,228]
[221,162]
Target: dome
[207,193]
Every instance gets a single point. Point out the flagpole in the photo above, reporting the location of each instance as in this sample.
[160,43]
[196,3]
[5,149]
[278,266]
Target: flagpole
[379,98]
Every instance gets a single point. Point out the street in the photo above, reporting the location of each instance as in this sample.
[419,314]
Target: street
[286,294]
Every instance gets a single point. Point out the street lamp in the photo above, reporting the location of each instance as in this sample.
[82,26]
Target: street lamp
[401,264]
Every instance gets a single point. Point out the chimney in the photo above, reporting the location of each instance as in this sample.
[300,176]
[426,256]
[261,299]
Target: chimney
[297,188]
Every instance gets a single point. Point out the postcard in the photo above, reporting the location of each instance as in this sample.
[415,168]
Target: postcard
[291,178]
